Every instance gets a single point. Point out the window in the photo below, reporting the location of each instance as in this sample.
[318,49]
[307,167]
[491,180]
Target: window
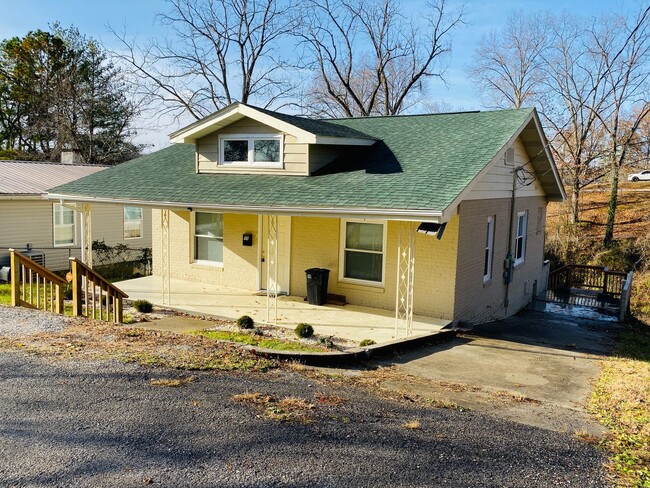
[243,150]
[132,222]
[489,250]
[362,247]
[64,226]
[520,240]
[208,238]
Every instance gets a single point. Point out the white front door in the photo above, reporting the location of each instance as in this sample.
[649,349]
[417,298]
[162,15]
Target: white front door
[284,252]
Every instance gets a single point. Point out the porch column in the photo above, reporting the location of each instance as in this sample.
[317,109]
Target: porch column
[272,271]
[164,261]
[405,279]
[86,235]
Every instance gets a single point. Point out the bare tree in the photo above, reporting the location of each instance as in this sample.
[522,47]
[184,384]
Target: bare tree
[626,53]
[221,51]
[572,96]
[371,59]
[508,64]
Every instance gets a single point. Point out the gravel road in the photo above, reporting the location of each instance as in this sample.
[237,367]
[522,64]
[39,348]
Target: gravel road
[102,424]
[17,322]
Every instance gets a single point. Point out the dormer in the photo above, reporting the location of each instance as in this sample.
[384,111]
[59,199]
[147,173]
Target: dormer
[244,139]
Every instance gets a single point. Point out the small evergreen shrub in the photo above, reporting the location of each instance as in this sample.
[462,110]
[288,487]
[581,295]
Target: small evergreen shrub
[367,342]
[143,306]
[245,322]
[304,330]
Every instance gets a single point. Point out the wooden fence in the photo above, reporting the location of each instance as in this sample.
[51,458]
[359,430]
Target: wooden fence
[584,277]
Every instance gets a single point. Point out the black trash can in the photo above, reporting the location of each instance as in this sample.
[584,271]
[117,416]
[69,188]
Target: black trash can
[317,279]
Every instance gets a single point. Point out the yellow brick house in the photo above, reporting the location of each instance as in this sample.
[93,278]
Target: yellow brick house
[439,216]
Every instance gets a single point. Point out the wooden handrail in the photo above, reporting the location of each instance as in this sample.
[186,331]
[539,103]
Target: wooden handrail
[37,268]
[587,277]
[99,294]
[40,279]
[99,277]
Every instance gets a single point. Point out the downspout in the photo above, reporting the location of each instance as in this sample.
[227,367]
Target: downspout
[509,262]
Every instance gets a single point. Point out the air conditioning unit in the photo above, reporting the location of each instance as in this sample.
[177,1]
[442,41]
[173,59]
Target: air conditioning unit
[35,255]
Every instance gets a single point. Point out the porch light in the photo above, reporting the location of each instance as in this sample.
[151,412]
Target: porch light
[432,229]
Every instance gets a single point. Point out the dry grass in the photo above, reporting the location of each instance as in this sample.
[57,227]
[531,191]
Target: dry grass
[329,399]
[621,401]
[171,382]
[288,409]
[513,396]
[412,425]
[92,340]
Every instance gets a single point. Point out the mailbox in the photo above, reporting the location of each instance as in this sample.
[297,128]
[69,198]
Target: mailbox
[247,239]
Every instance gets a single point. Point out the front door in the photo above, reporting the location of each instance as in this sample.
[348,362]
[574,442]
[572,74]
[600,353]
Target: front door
[284,252]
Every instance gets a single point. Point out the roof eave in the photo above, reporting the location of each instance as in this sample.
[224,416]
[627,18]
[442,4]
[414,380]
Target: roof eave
[428,215]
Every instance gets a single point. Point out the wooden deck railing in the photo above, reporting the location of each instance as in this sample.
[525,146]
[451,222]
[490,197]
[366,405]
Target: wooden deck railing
[596,278]
[33,286]
[93,295]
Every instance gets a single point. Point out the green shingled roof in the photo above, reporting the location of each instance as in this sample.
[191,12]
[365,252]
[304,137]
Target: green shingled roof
[420,162]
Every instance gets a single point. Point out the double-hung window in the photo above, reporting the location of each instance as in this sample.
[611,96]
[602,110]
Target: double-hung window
[64,225]
[363,251]
[489,250]
[208,238]
[249,150]
[520,239]
[132,222]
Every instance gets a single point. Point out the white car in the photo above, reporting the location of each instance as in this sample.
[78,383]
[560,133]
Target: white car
[642,176]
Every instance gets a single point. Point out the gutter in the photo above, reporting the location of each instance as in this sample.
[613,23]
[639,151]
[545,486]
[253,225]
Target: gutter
[434,216]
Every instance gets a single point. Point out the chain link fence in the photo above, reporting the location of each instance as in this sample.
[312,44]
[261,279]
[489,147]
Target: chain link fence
[115,263]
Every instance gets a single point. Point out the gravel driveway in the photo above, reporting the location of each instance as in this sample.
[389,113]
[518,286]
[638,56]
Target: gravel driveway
[103,424]
[17,322]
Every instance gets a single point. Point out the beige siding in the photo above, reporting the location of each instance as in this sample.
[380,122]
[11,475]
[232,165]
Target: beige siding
[322,154]
[497,181]
[239,268]
[31,221]
[476,301]
[295,155]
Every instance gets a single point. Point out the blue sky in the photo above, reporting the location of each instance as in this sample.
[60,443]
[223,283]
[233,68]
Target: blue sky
[138,18]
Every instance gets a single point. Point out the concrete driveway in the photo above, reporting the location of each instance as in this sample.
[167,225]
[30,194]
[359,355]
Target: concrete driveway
[536,368]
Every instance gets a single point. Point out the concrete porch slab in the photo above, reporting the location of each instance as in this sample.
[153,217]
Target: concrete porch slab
[351,322]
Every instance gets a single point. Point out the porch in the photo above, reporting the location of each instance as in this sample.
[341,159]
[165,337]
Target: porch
[351,322]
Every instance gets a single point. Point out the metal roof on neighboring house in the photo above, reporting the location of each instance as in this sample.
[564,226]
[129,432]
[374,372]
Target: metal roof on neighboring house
[37,177]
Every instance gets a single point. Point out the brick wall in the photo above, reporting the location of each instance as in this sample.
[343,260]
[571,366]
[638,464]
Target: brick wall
[477,301]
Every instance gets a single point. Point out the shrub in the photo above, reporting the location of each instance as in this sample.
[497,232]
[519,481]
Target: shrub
[304,330]
[245,322]
[143,306]
[366,342]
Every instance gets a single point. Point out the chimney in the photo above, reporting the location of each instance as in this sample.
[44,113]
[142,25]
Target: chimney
[71,156]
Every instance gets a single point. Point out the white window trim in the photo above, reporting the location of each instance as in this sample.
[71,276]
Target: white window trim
[490,248]
[342,249]
[251,138]
[124,223]
[523,213]
[203,262]
[74,227]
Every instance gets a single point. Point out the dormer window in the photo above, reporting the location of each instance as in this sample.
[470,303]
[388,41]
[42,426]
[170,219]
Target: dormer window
[250,150]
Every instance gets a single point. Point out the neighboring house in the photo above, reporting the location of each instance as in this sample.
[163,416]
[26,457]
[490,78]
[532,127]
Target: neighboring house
[409,213]
[51,232]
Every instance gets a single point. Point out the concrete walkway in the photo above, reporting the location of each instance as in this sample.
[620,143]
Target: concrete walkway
[535,368]
[346,321]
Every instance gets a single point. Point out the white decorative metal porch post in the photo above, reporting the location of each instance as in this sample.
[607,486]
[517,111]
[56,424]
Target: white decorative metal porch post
[405,279]
[164,268]
[272,271]
[87,235]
